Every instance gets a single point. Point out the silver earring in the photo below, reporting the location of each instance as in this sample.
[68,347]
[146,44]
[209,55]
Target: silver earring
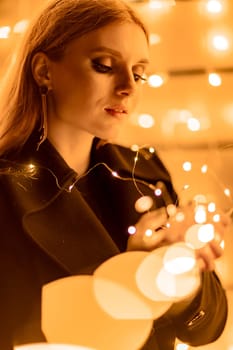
[43,124]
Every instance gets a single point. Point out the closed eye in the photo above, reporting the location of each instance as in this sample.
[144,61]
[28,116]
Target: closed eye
[101,68]
[138,77]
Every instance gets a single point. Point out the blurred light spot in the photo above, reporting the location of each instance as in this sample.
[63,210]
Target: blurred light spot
[154,39]
[206,233]
[227,192]
[179,259]
[5,32]
[200,214]
[193,124]
[143,204]
[214,6]
[160,4]
[187,166]
[171,209]
[211,207]
[216,218]
[200,198]
[151,150]
[182,346]
[155,80]
[214,79]
[146,121]
[204,168]
[191,236]
[220,42]
[134,148]
[21,26]
[148,232]
[180,217]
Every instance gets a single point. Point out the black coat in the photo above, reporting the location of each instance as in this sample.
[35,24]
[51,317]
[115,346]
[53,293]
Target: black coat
[55,225]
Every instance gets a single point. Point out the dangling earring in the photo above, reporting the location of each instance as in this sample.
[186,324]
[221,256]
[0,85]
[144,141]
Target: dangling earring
[43,125]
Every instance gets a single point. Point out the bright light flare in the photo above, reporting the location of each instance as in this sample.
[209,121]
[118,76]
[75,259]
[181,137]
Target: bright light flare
[146,121]
[5,32]
[220,42]
[214,79]
[179,258]
[206,233]
[214,6]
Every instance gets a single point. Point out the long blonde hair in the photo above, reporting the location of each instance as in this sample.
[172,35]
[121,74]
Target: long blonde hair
[56,25]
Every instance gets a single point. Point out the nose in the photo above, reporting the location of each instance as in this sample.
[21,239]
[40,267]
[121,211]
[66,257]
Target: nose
[125,84]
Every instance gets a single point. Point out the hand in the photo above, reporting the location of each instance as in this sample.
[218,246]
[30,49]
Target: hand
[155,229]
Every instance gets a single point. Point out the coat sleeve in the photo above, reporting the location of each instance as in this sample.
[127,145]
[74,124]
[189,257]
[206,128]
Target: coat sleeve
[202,320]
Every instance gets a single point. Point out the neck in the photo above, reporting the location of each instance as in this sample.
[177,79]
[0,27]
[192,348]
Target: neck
[75,149]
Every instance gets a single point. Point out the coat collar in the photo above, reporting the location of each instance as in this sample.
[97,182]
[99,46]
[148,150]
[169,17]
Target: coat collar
[53,212]
[56,219]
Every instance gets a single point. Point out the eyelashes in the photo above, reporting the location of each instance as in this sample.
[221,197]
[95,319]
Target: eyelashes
[104,69]
[101,68]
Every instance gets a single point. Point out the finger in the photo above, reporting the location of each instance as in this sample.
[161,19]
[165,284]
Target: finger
[207,256]
[216,248]
[155,240]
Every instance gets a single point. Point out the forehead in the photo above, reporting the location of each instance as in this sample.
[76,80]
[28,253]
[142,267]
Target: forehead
[128,40]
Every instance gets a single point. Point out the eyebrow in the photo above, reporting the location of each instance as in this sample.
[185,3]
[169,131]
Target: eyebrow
[116,53]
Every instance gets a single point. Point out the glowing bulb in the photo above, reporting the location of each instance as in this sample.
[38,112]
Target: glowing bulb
[158,192]
[193,124]
[214,79]
[206,233]
[227,192]
[155,80]
[148,232]
[5,32]
[187,166]
[214,6]
[146,121]
[143,204]
[204,168]
[114,173]
[220,42]
[131,230]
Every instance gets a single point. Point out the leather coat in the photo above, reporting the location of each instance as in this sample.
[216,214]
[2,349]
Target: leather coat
[55,224]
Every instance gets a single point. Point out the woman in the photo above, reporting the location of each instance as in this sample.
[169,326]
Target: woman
[76,79]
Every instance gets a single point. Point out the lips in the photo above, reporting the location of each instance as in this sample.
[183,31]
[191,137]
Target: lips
[116,110]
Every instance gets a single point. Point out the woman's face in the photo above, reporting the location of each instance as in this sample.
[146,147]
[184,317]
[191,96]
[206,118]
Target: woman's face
[97,83]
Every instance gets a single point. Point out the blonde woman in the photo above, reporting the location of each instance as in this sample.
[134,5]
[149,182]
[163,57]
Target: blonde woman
[75,81]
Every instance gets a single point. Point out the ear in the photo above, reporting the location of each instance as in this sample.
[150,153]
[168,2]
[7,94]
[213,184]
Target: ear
[41,70]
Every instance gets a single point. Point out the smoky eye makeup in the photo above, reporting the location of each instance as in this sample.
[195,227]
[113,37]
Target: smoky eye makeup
[99,66]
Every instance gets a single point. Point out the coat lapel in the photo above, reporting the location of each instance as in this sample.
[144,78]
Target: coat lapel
[58,220]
